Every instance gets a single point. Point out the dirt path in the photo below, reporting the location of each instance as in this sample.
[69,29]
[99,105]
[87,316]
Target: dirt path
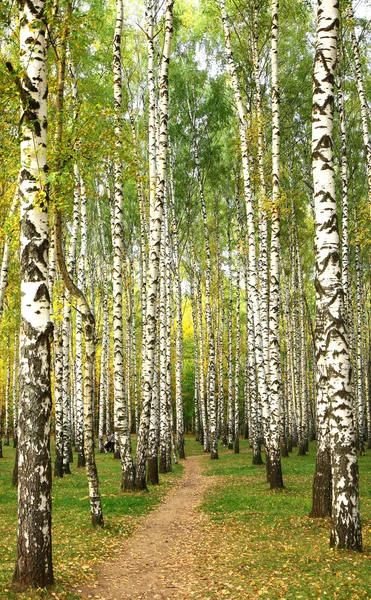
[156,562]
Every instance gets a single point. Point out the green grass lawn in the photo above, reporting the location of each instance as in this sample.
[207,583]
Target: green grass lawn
[255,543]
[262,544]
[77,547]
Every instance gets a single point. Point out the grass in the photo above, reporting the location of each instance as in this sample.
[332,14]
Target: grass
[77,547]
[262,544]
[254,543]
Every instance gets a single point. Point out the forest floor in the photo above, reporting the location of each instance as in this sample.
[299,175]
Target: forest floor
[210,530]
[157,561]
[222,533]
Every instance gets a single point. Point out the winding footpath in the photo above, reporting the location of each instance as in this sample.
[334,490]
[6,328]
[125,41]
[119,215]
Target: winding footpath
[157,561]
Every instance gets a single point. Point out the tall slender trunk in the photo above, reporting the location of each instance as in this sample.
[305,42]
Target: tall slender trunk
[122,431]
[104,366]
[171,448]
[237,365]
[252,272]
[7,399]
[157,194]
[230,344]
[262,214]
[144,235]
[89,331]
[211,366]
[361,95]
[197,399]
[15,389]
[221,429]
[81,283]
[34,552]
[58,368]
[179,325]
[360,370]
[7,253]
[332,349]
[163,317]
[275,377]
[302,358]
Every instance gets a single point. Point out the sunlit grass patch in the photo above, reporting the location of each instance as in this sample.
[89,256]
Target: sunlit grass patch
[77,547]
[264,543]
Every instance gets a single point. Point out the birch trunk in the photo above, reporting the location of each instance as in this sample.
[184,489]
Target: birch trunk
[171,446]
[230,343]
[253,288]
[198,424]
[164,415]
[344,194]
[6,254]
[7,400]
[237,366]
[221,422]
[360,370]
[15,390]
[89,328]
[58,368]
[211,367]
[122,431]
[104,381]
[361,95]
[179,326]
[81,284]
[275,376]
[332,349]
[157,192]
[262,214]
[34,553]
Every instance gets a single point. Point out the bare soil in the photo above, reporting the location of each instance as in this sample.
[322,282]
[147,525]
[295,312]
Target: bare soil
[157,561]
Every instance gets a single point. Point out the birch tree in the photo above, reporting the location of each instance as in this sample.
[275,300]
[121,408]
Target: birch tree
[332,348]
[34,552]
[121,409]
[157,182]
[275,379]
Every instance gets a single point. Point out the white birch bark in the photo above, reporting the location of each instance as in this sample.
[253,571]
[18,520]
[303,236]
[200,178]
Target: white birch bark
[171,446]
[230,343]
[236,395]
[332,350]
[198,425]
[157,192]
[66,328]
[6,254]
[34,557]
[122,431]
[303,400]
[58,367]
[81,284]
[104,365]
[144,234]
[15,389]
[163,316]
[7,400]
[361,95]
[211,366]
[344,193]
[262,214]
[179,324]
[275,376]
[360,370]
[253,289]
[88,383]
[221,426]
